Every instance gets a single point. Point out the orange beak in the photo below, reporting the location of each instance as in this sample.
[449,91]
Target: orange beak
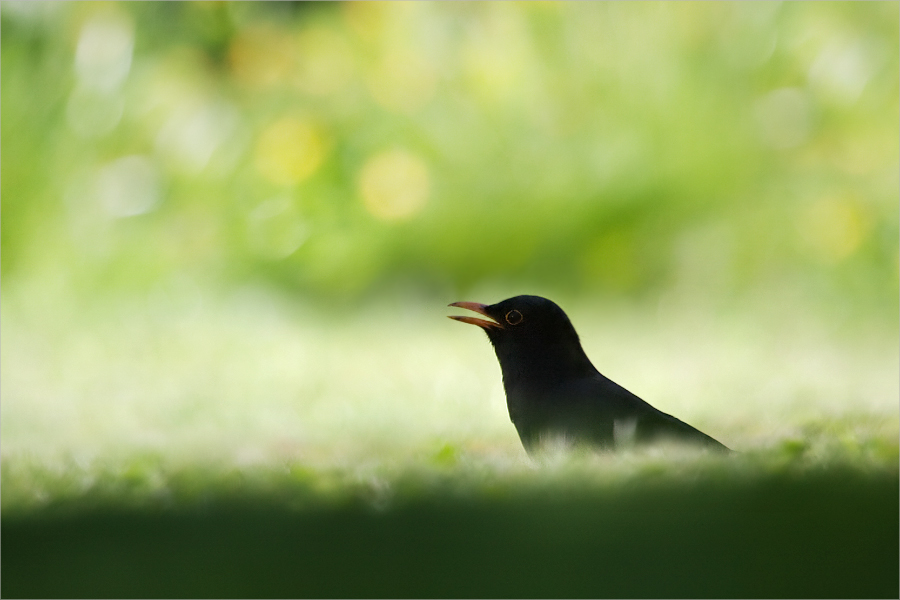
[481,310]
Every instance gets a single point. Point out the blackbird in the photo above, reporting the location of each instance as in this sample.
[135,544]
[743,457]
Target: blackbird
[553,390]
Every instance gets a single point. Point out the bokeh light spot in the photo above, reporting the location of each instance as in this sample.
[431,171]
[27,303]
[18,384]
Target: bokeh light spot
[365,19]
[290,150]
[103,55]
[842,70]
[128,187]
[394,185]
[193,133]
[833,228]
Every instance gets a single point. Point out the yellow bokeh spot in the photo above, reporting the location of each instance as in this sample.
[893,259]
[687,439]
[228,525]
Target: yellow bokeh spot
[394,185]
[289,151]
[833,228]
[365,19]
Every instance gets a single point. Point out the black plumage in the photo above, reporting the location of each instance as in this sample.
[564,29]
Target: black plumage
[553,390]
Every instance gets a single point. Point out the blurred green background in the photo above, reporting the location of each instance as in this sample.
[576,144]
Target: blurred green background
[331,148]
[230,230]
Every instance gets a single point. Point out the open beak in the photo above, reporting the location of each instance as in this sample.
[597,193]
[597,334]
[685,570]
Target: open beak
[481,310]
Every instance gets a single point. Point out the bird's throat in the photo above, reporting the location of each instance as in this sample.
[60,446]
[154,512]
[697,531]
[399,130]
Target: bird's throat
[542,365]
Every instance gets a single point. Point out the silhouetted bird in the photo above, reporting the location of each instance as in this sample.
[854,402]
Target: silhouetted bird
[553,390]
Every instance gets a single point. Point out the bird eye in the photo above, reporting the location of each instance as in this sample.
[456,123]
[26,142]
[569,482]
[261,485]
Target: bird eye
[514,317]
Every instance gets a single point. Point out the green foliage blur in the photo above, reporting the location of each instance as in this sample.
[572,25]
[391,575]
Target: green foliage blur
[613,149]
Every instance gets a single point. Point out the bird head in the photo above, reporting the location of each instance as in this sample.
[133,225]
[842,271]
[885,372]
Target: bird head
[523,325]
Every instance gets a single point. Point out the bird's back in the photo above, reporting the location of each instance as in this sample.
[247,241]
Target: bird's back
[594,410]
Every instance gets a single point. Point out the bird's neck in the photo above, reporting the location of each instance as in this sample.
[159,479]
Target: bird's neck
[543,364]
